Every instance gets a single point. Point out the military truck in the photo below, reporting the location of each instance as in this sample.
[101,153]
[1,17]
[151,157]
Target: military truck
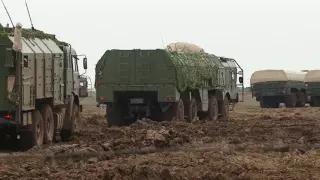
[272,87]
[40,87]
[312,83]
[164,85]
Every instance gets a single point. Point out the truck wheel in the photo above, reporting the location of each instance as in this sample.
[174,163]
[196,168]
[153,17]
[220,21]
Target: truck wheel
[315,101]
[224,107]
[66,134]
[37,128]
[48,123]
[291,101]
[213,110]
[28,138]
[114,116]
[302,100]
[275,105]
[192,111]
[176,111]
[262,102]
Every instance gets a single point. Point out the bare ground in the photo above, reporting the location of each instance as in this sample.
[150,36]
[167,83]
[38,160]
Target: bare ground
[254,144]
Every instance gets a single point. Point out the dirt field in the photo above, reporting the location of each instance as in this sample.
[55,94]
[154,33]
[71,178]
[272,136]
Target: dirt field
[254,144]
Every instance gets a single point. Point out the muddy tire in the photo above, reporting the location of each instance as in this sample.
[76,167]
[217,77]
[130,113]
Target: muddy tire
[113,116]
[302,100]
[291,101]
[33,137]
[315,101]
[224,109]
[176,111]
[213,109]
[48,124]
[192,111]
[67,134]
[262,103]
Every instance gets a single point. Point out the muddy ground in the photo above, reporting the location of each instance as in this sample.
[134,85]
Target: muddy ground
[254,144]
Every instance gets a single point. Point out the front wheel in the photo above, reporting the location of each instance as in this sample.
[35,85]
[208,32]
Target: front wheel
[224,109]
[66,134]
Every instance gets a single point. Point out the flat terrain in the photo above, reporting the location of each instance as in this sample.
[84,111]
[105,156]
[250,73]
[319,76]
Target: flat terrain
[254,144]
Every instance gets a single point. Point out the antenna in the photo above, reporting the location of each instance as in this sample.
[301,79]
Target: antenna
[162,40]
[7,13]
[29,15]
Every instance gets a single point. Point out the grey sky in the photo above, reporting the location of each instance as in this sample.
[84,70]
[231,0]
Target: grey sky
[281,34]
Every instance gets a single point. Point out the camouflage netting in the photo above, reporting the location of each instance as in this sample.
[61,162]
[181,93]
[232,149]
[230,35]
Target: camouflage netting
[29,34]
[194,70]
[184,47]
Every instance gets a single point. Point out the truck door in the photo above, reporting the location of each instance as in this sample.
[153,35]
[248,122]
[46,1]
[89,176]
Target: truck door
[76,75]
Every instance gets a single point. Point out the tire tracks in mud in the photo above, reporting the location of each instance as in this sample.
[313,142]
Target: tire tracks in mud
[217,148]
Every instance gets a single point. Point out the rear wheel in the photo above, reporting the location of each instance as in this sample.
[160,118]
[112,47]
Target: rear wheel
[114,117]
[224,109]
[48,123]
[34,137]
[192,111]
[302,100]
[291,100]
[315,101]
[263,103]
[176,111]
[213,110]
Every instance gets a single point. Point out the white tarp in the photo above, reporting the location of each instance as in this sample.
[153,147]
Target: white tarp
[312,76]
[276,75]
[183,47]
[17,40]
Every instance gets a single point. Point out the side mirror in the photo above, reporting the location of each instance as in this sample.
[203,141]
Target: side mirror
[241,80]
[85,65]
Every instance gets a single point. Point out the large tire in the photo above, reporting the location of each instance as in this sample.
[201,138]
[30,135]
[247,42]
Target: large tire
[28,139]
[302,100]
[48,123]
[67,134]
[291,101]
[224,109]
[263,103]
[315,101]
[192,111]
[114,116]
[176,111]
[275,104]
[213,109]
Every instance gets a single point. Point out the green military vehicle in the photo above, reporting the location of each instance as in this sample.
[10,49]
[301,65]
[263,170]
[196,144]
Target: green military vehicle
[165,85]
[40,87]
[312,83]
[272,87]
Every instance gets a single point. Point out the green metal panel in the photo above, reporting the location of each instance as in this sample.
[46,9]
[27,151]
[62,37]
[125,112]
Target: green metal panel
[42,71]
[5,105]
[166,71]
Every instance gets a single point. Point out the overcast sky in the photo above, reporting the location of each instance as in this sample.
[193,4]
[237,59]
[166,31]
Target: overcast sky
[277,34]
